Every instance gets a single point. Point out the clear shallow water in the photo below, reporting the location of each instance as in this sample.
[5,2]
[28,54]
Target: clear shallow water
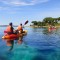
[38,44]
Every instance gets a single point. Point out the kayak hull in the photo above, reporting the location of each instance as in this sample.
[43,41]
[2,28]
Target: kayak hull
[12,36]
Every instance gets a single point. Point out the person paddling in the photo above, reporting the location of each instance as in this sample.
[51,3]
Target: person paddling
[9,29]
[20,28]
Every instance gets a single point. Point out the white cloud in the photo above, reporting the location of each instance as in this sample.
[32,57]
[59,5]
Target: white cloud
[22,2]
[1,8]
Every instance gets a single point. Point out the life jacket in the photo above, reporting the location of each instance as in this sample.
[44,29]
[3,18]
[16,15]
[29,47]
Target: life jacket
[8,29]
[19,28]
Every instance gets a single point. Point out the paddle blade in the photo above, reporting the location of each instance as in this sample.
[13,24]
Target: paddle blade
[26,22]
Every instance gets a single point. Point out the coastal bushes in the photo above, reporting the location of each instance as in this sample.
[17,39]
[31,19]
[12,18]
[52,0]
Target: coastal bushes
[47,21]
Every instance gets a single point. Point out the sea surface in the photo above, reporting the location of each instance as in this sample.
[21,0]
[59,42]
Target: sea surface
[38,44]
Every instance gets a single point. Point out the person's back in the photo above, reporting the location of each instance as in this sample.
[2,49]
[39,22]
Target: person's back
[9,29]
[20,28]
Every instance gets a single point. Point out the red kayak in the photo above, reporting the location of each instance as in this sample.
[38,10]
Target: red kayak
[12,36]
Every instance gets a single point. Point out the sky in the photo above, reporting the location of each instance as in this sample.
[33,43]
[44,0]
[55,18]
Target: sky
[18,11]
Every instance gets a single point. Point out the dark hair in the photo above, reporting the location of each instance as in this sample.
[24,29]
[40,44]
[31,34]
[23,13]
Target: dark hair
[21,24]
[10,23]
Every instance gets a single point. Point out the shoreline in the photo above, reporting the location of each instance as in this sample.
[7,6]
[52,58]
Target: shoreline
[33,26]
[42,26]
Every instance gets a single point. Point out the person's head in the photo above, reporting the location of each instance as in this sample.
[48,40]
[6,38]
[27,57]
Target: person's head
[10,24]
[21,24]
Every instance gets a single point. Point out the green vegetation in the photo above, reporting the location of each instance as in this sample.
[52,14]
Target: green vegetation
[47,21]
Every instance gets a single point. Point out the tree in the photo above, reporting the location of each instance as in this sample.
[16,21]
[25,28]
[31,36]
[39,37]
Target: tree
[34,22]
[58,18]
[39,23]
[49,20]
[55,20]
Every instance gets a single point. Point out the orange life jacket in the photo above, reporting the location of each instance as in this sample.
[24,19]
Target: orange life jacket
[8,29]
[19,28]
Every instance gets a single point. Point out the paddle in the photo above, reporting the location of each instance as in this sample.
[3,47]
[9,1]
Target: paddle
[26,22]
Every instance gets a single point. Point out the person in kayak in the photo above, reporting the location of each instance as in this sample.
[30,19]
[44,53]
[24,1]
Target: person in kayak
[10,29]
[20,28]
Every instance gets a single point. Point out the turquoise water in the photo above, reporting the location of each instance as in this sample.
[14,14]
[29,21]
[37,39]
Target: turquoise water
[38,44]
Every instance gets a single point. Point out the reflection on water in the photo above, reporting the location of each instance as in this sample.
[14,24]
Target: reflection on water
[10,42]
[38,44]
